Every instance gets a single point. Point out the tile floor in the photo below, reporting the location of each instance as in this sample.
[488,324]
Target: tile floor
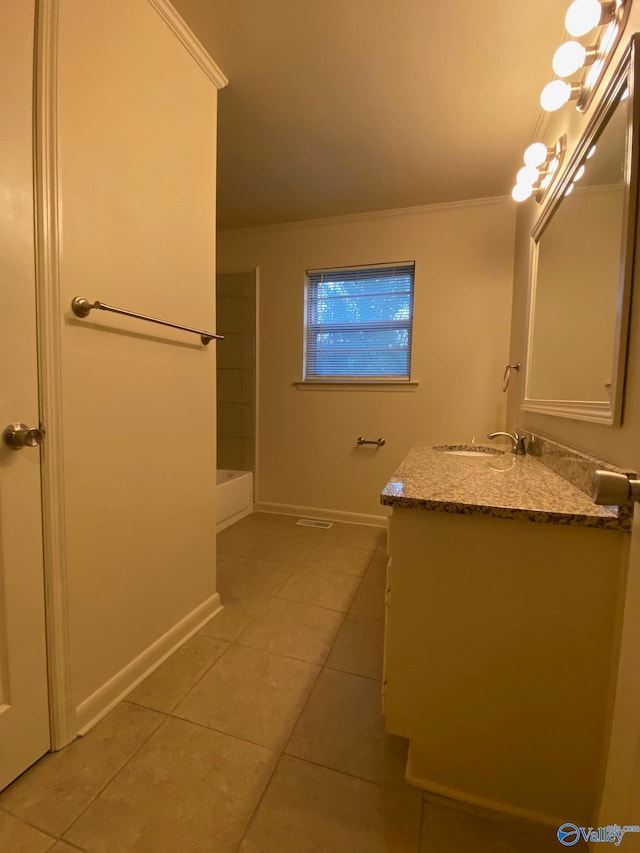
[263,733]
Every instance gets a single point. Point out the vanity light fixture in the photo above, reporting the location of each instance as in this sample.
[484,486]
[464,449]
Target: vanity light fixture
[582,17]
[606,19]
[541,164]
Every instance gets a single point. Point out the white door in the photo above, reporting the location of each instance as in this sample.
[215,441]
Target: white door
[24,720]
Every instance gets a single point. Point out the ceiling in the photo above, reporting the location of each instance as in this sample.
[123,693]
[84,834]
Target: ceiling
[347,106]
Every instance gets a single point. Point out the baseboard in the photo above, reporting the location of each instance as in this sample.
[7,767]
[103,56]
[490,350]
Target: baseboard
[95,707]
[477,805]
[324,514]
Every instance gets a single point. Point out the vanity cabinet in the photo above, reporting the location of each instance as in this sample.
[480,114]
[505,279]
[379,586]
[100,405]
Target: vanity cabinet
[501,645]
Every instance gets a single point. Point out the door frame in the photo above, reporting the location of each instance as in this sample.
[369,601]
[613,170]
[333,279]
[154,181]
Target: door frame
[62,717]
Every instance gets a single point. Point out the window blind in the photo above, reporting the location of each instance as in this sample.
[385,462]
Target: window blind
[358,322]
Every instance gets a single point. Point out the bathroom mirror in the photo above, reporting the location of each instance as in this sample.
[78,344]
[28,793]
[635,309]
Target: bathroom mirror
[581,266]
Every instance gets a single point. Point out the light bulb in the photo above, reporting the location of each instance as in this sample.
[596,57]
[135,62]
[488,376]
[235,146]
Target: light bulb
[568,58]
[527,176]
[582,16]
[555,95]
[521,192]
[535,154]
[578,174]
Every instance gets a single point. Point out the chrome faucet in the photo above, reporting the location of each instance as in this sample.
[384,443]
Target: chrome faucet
[518,442]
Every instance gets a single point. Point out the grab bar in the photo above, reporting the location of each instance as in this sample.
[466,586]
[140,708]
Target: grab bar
[378,441]
[81,307]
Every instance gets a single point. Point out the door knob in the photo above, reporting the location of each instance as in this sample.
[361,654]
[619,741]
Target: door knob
[16,436]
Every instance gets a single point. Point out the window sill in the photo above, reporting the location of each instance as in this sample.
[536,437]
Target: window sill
[356,385]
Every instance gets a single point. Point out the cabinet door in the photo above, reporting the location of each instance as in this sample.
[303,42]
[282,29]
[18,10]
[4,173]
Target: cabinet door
[387,605]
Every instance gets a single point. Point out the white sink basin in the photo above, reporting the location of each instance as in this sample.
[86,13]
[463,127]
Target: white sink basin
[469,450]
[475,453]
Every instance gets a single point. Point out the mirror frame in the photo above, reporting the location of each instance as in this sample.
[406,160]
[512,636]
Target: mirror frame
[609,412]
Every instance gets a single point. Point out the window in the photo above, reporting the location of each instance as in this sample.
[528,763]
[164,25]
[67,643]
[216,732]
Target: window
[358,323]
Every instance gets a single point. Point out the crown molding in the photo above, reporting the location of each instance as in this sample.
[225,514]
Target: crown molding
[368,216]
[178,25]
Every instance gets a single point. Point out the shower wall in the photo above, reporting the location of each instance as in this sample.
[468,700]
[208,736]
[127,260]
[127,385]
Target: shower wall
[236,374]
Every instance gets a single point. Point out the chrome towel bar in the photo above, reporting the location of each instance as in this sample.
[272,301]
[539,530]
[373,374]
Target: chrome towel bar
[378,441]
[81,307]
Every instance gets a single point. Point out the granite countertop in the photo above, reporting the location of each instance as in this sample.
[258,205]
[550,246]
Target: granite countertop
[502,485]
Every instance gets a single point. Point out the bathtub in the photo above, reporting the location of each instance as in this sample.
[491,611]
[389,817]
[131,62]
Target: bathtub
[234,496]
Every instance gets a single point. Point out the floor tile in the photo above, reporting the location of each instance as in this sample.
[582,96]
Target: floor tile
[377,569]
[246,577]
[322,588]
[251,694]
[359,647]
[286,525]
[283,548]
[189,789]
[173,679]
[309,809]
[313,536]
[369,600]
[17,837]
[267,521]
[234,540]
[55,790]
[342,727]
[234,618]
[357,536]
[63,847]
[451,830]
[295,630]
[339,558]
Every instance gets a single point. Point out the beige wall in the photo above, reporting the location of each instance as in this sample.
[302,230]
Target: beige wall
[616,444]
[307,455]
[137,131]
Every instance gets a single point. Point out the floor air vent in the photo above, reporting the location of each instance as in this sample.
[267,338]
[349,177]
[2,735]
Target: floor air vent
[314,522]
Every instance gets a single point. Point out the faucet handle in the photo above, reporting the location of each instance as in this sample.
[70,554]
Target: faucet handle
[521,444]
[518,442]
